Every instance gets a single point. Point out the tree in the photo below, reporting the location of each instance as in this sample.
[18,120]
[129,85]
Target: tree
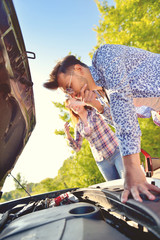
[150,137]
[131,22]
[45,185]
[80,170]
[21,180]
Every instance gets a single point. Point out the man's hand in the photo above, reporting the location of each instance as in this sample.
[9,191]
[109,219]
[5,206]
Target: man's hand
[87,96]
[90,99]
[135,180]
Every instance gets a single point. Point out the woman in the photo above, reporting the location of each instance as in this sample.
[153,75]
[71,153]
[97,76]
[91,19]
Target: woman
[90,125]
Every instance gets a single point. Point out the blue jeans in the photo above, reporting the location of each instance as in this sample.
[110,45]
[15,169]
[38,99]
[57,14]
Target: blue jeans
[112,167]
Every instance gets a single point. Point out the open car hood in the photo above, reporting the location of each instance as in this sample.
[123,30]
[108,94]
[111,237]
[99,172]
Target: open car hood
[17,110]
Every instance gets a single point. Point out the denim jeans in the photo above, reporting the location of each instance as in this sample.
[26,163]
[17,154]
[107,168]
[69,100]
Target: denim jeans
[112,168]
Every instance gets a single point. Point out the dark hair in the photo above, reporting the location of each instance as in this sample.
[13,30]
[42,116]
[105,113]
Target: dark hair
[61,67]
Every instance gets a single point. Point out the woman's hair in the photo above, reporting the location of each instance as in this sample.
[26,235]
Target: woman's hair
[61,67]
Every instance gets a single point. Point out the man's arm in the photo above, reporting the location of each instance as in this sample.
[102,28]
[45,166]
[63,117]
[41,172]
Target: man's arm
[135,180]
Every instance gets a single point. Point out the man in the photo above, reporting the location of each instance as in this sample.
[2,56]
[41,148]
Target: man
[131,78]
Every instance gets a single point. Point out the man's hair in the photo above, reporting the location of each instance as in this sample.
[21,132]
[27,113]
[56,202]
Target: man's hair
[61,67]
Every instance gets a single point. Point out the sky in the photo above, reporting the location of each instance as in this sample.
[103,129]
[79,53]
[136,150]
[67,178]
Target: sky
[51,29]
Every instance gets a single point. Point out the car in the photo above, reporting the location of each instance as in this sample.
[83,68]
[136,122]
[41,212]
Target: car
[89,213]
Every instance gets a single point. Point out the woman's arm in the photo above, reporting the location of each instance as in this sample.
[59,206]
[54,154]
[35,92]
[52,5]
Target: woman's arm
[74,143]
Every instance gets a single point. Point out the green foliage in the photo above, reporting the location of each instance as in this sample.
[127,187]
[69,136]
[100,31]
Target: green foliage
[45,185]
[132,23]
[64,116]
[17,193]
[150,137]
[80,170]
[21,180]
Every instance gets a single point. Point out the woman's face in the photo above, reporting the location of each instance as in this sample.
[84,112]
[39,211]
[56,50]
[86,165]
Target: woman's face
[76,106]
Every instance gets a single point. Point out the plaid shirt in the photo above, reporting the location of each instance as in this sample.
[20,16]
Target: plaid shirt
[102,139]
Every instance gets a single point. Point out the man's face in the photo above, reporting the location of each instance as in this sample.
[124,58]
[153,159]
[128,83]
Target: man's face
[72,83]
